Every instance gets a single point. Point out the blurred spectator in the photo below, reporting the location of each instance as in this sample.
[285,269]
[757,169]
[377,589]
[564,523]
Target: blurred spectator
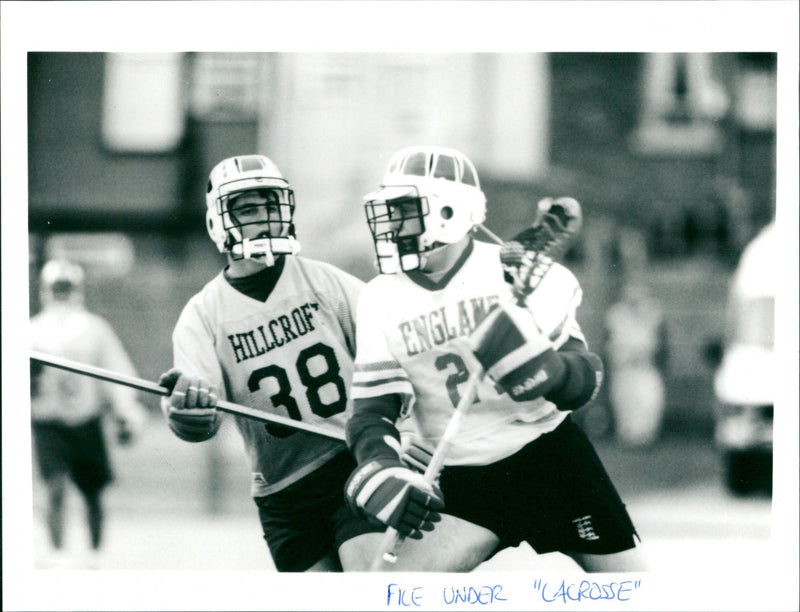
[636,357]
[67,409]
[744,382]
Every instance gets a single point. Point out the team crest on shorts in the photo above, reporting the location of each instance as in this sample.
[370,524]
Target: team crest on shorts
[585,528]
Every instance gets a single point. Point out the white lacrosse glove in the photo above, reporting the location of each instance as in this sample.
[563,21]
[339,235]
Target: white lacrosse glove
[516,354]
[387,492]
[190,408]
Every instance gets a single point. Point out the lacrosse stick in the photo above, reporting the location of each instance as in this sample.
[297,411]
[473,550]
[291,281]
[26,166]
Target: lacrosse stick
[151,387]
[525,260]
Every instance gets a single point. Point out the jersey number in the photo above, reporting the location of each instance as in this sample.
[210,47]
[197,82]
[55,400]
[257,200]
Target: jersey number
[313,383]
[461,375]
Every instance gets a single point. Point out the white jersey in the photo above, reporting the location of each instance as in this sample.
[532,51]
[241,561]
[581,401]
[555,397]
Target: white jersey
[291,355]
[412,341]
[71,332]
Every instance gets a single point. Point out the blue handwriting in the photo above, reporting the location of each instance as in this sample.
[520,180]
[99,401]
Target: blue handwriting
[586,589]
[403,597]
[471,595]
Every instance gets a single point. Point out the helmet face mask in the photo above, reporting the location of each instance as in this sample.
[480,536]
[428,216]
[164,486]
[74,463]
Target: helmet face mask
[396,223]
[266,214]
[429,197]
[250,209]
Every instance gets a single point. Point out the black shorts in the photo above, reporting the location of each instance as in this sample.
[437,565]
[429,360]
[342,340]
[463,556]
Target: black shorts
[78,451]
[308,519]
[554,494]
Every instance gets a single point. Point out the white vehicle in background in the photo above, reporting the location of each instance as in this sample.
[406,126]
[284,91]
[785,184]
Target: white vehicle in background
[744,382]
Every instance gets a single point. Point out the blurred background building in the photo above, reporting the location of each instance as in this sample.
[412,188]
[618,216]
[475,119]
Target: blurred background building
[671,154]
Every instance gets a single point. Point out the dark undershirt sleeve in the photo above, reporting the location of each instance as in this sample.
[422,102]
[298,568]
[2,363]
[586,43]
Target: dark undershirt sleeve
[582,378]
[372,421]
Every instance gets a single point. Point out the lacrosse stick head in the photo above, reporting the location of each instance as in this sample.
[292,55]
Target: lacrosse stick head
[527,257]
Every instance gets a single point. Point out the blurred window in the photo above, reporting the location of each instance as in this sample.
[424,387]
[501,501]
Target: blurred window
[757,91]
[683,98]
[143,108]
[102,254]
[225,85]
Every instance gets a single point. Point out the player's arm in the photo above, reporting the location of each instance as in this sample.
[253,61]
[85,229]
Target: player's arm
[582,376]
[383,488]
[371,432]
[526,364]
[190,408]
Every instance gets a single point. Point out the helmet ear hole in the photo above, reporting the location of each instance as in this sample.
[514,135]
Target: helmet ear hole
[447,212]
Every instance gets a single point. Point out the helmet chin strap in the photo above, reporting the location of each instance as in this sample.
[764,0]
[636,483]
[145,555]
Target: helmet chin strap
[258,249]
[418,260]
[267,248]
[440,257]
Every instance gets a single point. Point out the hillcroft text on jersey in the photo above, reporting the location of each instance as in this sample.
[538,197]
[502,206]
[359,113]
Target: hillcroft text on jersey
[279,331]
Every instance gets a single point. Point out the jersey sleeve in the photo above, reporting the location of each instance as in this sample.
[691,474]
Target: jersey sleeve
[193,347]
[194,355]
[348,291]
[554,306]
[582,378]
[377,372]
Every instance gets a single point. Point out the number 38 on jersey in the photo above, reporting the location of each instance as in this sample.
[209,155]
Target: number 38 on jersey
[321,382]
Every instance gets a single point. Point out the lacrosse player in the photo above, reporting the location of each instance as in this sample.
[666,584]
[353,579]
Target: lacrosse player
[275,331]
[68,410]
[440,311]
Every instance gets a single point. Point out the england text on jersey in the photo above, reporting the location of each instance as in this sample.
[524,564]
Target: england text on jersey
[279,331]
[443,324]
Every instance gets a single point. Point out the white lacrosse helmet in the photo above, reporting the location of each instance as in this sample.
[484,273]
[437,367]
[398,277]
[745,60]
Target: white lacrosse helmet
[257,174]
[61,280]
[429,197]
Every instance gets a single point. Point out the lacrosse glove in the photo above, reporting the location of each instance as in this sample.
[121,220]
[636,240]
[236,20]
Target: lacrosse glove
[385,491]
[190,409]
[515,354]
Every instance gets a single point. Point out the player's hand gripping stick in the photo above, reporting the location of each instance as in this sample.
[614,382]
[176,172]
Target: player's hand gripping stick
[151,387]
[525,260]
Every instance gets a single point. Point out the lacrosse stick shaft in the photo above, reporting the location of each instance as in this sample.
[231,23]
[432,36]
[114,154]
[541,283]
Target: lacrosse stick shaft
[495,238]
[151,387]
[464,404]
